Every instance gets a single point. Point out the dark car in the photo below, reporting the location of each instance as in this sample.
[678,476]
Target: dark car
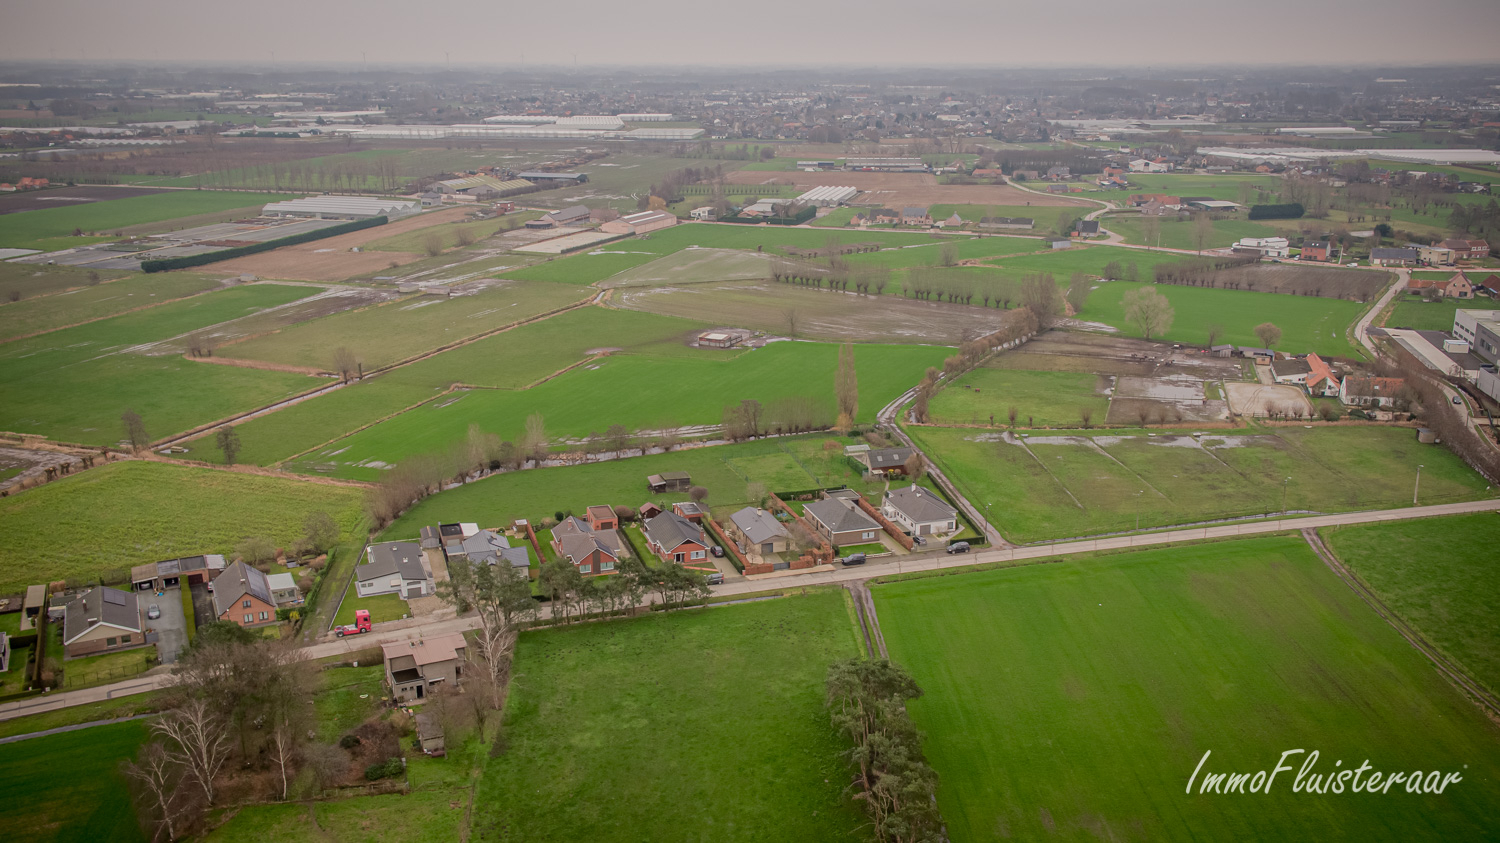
[715,578]
[958,547]
[854,559]
[717,551]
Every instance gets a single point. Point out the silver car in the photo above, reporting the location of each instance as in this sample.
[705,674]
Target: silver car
[154,612]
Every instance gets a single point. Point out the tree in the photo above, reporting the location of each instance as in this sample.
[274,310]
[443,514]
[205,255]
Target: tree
[256,549]
[534,442]
[135,430]
[1149,311]
[1150,231]
[616,438]
[321,531]
[789,315]
[1079,288]
[228,441]
[432,244]
[915,466]
[1268,333]
[1203,231]
[160,799]
[1214,332]
[345,363]
[197,739]
[846,382]
[1039,295]
[948,254]
[1011,415]
[1086,415]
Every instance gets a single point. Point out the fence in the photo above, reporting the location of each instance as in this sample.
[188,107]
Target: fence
[74,678]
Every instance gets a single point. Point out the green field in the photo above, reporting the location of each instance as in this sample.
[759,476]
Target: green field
[1438,575]
[705,725]
[1077,485]
[1182,234]
[770,238]
[1412,312]
[1307,323]
[47,313]
[1104,681]
[1043,399]
[49,229]
[74,383]
[132,512]
[31,280]
[68,787]
[583,268]
[1221,186]
[509,360]
[782,464]
[967,248]
[1045,216]
[394,331]
[448,233]
[641,392]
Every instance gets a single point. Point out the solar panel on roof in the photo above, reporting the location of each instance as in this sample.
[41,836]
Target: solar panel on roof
[114,597]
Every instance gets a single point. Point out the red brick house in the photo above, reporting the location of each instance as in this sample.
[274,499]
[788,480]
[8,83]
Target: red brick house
[1468,249]
[592,552]
[1318,250]
[243,594]
[676,539]
[602,518]
[1456,287]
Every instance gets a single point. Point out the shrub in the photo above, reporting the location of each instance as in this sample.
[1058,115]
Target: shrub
[389,769]
[349,741]
[1286,211]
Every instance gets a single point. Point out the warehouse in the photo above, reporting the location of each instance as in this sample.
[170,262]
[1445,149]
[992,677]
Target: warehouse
[828,196]
[646,118]
[641,223]
[341,208]
[554,178]
[483,186]
[888,165]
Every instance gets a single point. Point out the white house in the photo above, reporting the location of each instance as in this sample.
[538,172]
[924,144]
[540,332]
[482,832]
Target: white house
[393,568]
[704,213]
[1141,165]
[919,511]
[1266,247]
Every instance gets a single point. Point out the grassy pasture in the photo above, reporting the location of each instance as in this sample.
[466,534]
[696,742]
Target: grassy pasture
[1045,216]
[1108,678]
[132,512]
[1222,186]
[1412,312]
[46,313]
[968,248]
[695,266]
[641,392]
[582,268]
[385,333]
[1307,323]
[73,384]
[1438,575]
[1182,234]
[651,758]
[782,464]
[32,280]
[68,787]
[1046,398]
[1080,484]
[447,234]
[52,228]
[768,238]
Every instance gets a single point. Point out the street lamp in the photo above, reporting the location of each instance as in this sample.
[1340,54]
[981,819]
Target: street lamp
[1416,486]
[1284,482]
[1137,497]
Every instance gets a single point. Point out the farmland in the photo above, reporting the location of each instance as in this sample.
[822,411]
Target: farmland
[1044,399]
[47,313]
[1262,650]
[584,268]
[74,383]
[761,665]
[1438,575]
[69,787]
[1061,486]
[132,512]
[52,228]
[641,392]
[31,280]
[1412,312]
[1182,234]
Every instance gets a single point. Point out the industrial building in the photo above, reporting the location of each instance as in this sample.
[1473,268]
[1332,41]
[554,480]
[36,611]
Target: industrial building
[641,223]
[888,165]
[483,187]
[575,131]
[647,118]
[554,178]
[828,196]
[341,208]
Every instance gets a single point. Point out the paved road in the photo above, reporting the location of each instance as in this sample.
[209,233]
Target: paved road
[159,677]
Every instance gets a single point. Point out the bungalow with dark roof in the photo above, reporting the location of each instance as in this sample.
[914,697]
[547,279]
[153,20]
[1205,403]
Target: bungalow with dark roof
[919,511]
[393,568]
[759,530]
[101,620]
[888,460]
[676,539]
[841,522]
[1393,257]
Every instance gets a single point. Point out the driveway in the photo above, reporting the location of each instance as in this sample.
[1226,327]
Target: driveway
[171,627]
[203,606]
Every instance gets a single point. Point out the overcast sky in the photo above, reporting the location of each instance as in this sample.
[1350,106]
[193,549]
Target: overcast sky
[752,32]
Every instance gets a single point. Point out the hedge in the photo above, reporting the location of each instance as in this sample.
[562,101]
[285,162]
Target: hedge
[186,261]
[1288,211]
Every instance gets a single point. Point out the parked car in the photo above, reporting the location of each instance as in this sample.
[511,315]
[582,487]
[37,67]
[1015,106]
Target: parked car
[154,612]
[958,547]
[854,559]
[717,551]
[715,578]
[1457,400]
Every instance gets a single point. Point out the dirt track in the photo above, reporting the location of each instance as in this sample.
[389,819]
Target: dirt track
[897,189]
[331,260]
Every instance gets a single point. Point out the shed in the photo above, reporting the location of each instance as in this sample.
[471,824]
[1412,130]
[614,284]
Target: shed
[430,734]
[669,481]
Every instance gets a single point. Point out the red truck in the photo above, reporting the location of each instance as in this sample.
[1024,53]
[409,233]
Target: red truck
[361,624]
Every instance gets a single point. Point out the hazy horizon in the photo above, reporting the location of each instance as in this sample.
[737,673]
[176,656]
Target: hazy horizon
[770,35]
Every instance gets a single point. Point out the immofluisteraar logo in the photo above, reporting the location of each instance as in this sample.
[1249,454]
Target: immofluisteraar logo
[1310,779]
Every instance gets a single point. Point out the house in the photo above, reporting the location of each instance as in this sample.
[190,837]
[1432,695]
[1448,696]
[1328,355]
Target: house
[1265,247]
[1059,173]
[243,594]
[889,460]
[704,213]
[1319,250]
[1489,286]
[393,568]
[841,522]
[1435,255]
[915,215]
[1367,392]
[676,539]
[284,591]
[1290,370]
[1455,287]
[416,667]
[487,547]
[758,529]
[576,215]
[953,221]
[102,620]
[1085,228]
[1027,175]
[885,216]
[592,552]
[919,512]
[1467,249]
[1393,257]
[669,481]
[602,518]
[1321,379]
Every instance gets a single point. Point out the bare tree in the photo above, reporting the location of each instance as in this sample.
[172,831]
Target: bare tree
[199,740]
[1039,294]
[1149,311]
[534,442]
[160,799]
[948,254]
[345,362]
[790,316]
[1268,333]
[1079,288]
[846,383]
[432,244]
[1150,232]
[228,441]
[135,430]
[915,466]
[1203,231]
[1086,415]
[1214,332]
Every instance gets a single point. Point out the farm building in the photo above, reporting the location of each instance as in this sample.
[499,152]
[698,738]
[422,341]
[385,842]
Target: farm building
[341,208]
[564,179]
[483,187]
[723,337]
[828,196]
[102,619]
[888,165]
[1007,222]
[1393,257]
[1211,205]
[574,215]
[1265,247]
[817,165]
[1259,355]
[641,223]
[669,481]
[703,213]
[648,117]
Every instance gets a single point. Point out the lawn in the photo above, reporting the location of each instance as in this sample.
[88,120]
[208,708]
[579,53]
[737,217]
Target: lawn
[68,787]
[1044,399]
[393,331]
[382,607]
[641,392]
[705,725]
[1106,680]
[1438,575]
[73,384]
[1075,485]
[132,512]
[31,280]
[49,229]
[784,464]
[47,313]
[350,696]
[1307,323]
[1183,234]
[105,668]
[1412,312]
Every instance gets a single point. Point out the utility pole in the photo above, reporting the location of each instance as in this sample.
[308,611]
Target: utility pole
[1416,486]
[1284,483]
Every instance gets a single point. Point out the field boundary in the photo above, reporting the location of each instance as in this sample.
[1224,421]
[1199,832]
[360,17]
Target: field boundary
[222,286]
[1450,669]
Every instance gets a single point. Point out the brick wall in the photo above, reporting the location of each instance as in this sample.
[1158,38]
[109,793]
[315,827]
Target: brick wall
[722,537]
[890,528]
